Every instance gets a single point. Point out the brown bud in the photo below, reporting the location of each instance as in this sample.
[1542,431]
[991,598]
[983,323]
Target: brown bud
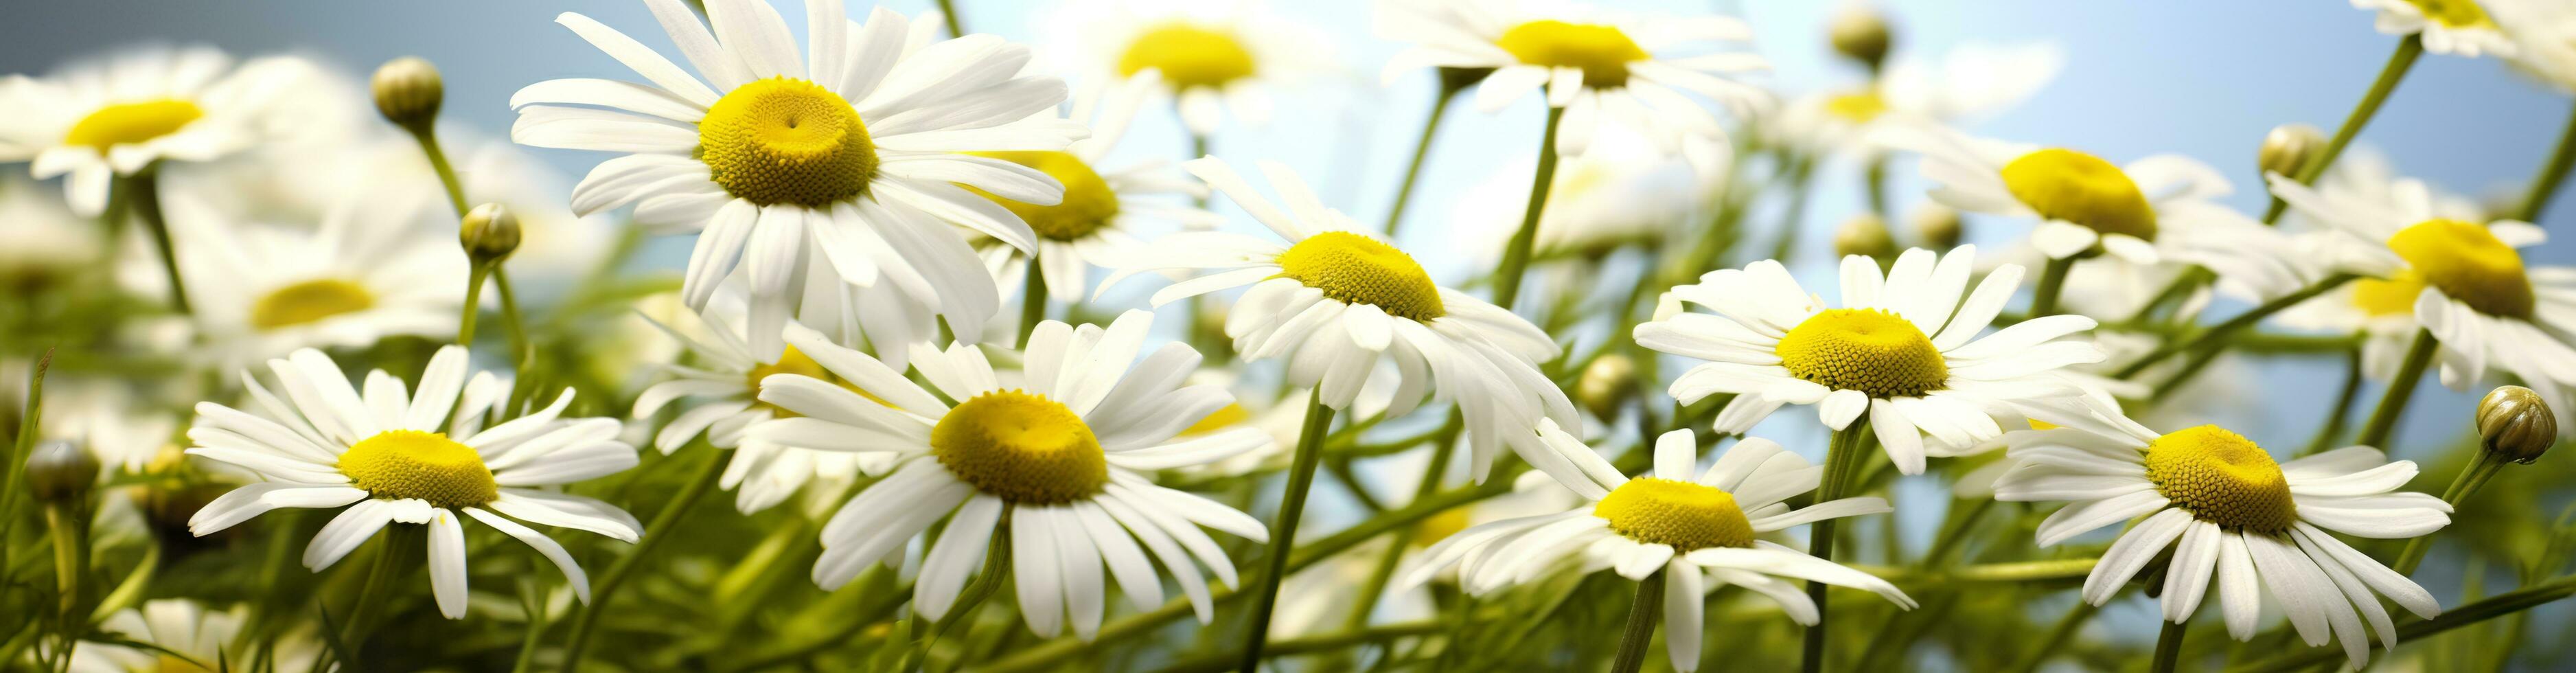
[408,91]
[2515,424]
[1936,226]
[2289,148]
[1864,234]
[1611,380]
[490,233]
[60,472]
[1861,33]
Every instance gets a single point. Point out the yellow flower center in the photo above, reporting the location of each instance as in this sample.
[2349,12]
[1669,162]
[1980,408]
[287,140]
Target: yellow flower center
[1602,52]
[1683,514]
[2222,478]
[1224,417]
[1356,269]
[309,301]
[1088,204]
[1188,56]
[173,664]
[410,464]
[2467,263]
[1858,107]
[1437,527]
[2454,13]
[2064,184]
[1864,349]
[782,140]
[131,123]
[1020,447]
[796,362]
[2395,296]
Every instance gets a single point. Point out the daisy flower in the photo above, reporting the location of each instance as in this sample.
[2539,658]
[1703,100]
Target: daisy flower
[1970,81]
[718,397]
[1061,456]
[382,456]
[1902,347]
[1698,527]
[2156,210]
[2544,35]
[1605,69]
[1337,300]
[2455,27]
[859,153]
[2464,280]
[1215,59]
[1102,212]
[368,271]
[2383,311]
[2233,515]
[120,114]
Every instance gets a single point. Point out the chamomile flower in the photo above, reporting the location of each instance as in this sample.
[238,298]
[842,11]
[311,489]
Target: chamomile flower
[1604,68]
[369,270]
[184,636]
[1336,300]
[1102,213]
[859,154]
[1968,82]
[1060,455]
[422,458]
[120,114]
[2154,211]
[2455,27]
[2233,515]
[2463,280]
[1902,347]
[719,397]
[1698,527]
[1216,59]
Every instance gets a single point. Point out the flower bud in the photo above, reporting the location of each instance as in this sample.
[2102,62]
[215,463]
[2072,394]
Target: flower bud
[1863,234]
[490,233]
[2515,424]
[2289,148]
[408,91]
[1861,33]
[1936,226]
[1605,384]
[60,472]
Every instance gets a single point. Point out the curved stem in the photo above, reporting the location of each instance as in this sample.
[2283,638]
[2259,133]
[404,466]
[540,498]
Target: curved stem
[654,533]
[70,545]
[1033,301]
[1441,451]
[1643,612]
[1841,459]
[956,26]
[392,546]
[997,567]
[2389,75]
[2400,389]
[427,136]
[2168,647]
[2211,336]
[2341,414]
[143,189]
[1507,278]
[1310,440]
[2052,281]
[1421,149]
[473,304]
[2551,175]
[2057,636]
[2482,466]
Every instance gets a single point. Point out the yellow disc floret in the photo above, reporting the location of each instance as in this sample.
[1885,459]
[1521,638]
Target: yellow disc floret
[2063,184]
[1087,206]
[2394,296]
[1601,52]
[1864,349]
[2454,13]
[1022,448]
[309,301]
[1356,269]
[782,140]
[1858,107]
[1224,417]
[1188,56]
[2468,263]
[2222,478]
[1683,514]
[410,464]
[132,123]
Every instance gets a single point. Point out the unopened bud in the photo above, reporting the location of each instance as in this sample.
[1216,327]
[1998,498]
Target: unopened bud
[1860,32]
[408,91]
[2289,147]
[59,472]
[1611,380]
[1936,226]
[2515,424]
[1864,234]
[490,232]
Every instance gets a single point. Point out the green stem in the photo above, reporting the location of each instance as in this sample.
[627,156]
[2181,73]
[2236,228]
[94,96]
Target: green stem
[2551,175]
[1507,278]
[2482,467]
[532,601]
[2400,389]
[510,313]
[2057,636]
[2181,285]
[1319,420]
[1441,450]
[1421,149]
[1841,459]
[2052,281]
[1033,301]
[2341,414]
[393,545]
[2389,75]
[2410,628]
[70,546]
[2211,337]
[30,419]
[2168,647]
[1643,612]
[427,136]
[1876,178]
[144,189]
[473,303]
[956,26]
[997,567]
[654,533]
[1957,533]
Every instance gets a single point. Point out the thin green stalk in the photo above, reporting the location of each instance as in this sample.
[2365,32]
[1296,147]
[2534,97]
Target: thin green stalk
[1841,459]
[2341,414]
[1323,643]
[2212,337]
[1033,302]
[532,601]
[2552,174]
[393,545]
[1507,278]
[473,303]
[2392,403]
[1310,440]
[2168,647]
[1955,534]
[2052,281]
[997,568]
[2057,636]
[2411,628]
[1643,612]
[2482,467]
[2181,285]
[654,533]
[30,418]
[510,316]
[1441,450]
[427,135]
[1421,149]
[71,549]
[144,189]
[2389,75]
[1876,178]
[956,26]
